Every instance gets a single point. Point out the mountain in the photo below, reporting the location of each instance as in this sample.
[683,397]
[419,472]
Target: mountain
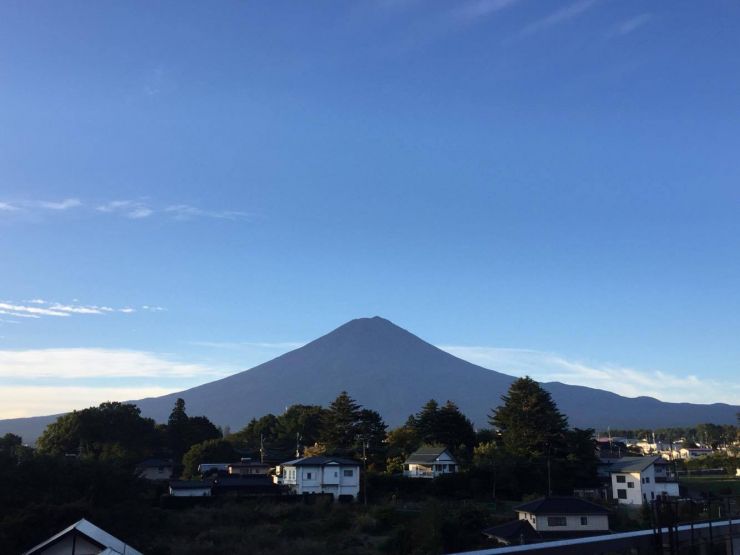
[388,369]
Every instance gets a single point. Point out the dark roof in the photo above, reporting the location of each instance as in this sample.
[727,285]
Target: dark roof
[154,463]
[561,506]
[189,484]
[513,532]
[320,461]
[428,454]
[634,464]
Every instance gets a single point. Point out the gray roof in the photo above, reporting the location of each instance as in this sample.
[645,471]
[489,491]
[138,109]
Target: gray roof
[634,464]
[109,544]
[189,484]
[561,506]
[321,461]
[428,454]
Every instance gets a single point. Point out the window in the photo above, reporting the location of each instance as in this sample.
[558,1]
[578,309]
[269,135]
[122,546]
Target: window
[621,494]
[630,484]
[556,521]
[348,473]
[621,479]
[308,475]
[647,479]
[584,520]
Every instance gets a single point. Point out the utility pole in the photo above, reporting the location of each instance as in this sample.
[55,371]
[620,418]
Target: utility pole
[297,445]
[262,447]
[364,467]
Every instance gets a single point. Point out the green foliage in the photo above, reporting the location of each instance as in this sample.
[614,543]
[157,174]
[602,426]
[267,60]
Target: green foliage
[112,431]
[530,423]
[210,451]
[339,430]
[184,431]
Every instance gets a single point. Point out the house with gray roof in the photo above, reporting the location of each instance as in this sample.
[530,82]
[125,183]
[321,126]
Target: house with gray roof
[430,461]
[82,537]
[638,480]
[334,475]
[552,518]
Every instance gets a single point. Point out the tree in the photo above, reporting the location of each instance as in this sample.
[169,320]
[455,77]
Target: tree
[371,430]
[425,421]
[111,431]
[184,431]
[340,423]
[454,430]
[529,421]
[213,450]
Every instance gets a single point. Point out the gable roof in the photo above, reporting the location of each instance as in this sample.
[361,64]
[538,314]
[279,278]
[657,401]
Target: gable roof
[633,464]
[428,454]
[561,506]
[109,544]
[189,484]
[321,461]
[513,532]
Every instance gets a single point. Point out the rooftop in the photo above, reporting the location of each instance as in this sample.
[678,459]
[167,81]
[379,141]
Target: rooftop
[561,506]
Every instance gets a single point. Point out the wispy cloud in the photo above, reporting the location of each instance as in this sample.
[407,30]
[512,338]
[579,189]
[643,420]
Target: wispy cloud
[133,209]
[629,382]
[632,24]
[19,401]
[558,17]
[65,204]
[187,212]
[39,308]
[83,363]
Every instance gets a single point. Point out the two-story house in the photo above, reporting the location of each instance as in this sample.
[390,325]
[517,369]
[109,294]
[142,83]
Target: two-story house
[430,461]
[320,475]
[638,480]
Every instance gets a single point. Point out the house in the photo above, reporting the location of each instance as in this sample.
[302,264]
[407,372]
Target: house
[213,468]
[690,453]
[248,467]
[83,538]
[254,485]
[430,461]
[638,480]
[552,518]
[320,475]
[155,469]
[190,488]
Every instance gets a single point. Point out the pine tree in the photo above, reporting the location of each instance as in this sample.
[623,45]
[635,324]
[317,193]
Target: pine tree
[529,421]
[340,423]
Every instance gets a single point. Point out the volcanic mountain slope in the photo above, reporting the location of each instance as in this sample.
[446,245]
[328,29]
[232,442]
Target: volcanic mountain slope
[388,369]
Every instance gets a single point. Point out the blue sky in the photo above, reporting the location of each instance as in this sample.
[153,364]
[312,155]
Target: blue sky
[542,187]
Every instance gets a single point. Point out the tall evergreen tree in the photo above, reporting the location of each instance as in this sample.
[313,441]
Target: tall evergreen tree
[340,428]
[425,421]
[529,421]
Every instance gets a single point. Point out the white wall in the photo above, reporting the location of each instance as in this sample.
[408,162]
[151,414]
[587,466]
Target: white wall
[573,523]
[64,547]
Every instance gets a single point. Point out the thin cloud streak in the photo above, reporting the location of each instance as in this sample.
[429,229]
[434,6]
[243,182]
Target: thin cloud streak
[558,17]
[625,381]
[627,27]
[41,308]
[19,401]
[94,363]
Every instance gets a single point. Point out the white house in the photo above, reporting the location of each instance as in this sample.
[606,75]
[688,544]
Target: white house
[551,518]
[689,453]
[190,488]
[430,461]
[320,475]
[637,480]
[83,538]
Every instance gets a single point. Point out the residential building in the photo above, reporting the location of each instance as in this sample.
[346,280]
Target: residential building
[552,518]
[689,453]
[248,467]
[320,475]
[637,480]
[430,461]
[83,538]
[190,488]
[155,469]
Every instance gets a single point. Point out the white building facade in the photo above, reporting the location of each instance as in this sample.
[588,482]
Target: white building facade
[430,462]
[320,475]
[638,480]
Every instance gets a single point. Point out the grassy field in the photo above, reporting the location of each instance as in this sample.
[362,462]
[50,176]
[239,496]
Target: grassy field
[716,485]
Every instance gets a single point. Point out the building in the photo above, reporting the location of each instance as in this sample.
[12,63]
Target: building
[552,518]
[83,538]
[690,453]
[248,468]
[638,480]
[250,486]
[190,488]
[318,474]
[155,469]
[430,461]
